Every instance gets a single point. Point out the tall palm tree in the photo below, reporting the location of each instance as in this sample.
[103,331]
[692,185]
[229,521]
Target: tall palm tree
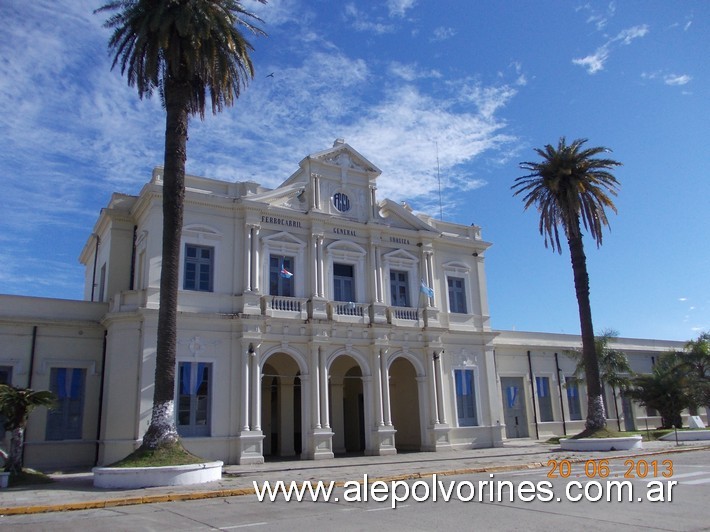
[184,49]
[570,187]
[16,404]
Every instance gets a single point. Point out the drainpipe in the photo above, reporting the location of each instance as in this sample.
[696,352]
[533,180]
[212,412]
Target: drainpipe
[101,400]
[133,259]
[33,349]
[559,387]
[532,387]
[96,258]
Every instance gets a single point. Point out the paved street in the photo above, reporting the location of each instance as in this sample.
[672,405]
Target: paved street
[688,509]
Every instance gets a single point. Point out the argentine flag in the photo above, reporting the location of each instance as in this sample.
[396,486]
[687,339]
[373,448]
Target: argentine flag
[424,289]
[284,272]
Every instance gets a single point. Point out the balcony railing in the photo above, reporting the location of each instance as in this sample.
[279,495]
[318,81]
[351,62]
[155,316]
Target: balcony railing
[282,306]
[349,311]
[404,313]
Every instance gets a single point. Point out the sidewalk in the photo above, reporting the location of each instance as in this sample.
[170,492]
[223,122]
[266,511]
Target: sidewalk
[75,491]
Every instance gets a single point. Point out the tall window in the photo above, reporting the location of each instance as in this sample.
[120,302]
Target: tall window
[575,408]
[280,282]
[194,385]
[65,420]
[465,397]
[457,295]
[399,287]
[343,282]
[544,398]
[198,268]
[5,374]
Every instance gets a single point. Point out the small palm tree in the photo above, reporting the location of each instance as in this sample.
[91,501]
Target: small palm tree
[185,49]
[696,359]
[570,187]
[665,389]
[16,404]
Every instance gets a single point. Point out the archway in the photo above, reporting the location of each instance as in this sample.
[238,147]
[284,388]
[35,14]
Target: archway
[347,407]
[404,399]
[281,406]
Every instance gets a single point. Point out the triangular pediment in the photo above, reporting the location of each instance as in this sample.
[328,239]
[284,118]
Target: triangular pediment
[345,156]
[395,215]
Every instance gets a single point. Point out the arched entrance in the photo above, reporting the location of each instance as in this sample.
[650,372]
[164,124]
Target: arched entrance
[347,407]
[281,406]
[404,399]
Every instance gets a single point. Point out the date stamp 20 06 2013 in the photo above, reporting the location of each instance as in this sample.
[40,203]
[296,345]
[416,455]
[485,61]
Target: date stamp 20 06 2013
[601,469]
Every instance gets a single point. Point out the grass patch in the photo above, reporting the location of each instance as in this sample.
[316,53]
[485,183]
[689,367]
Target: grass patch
[28,477]
[171,455]
[601,433]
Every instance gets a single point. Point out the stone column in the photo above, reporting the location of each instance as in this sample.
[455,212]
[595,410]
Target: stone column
[256,391]
[255,259]
[336,396]
[386,411]
[433,393]
[324,411]
[244,397]
[438,374]
[248,242]
[378,389]
[315,364]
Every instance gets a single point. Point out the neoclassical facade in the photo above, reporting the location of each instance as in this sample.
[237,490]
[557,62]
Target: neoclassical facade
[314,320]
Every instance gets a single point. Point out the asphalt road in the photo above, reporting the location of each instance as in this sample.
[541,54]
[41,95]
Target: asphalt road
[684,478]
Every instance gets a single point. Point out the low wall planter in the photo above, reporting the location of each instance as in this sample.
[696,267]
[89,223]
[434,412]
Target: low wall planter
[147,477]
[687,435]
[601,444]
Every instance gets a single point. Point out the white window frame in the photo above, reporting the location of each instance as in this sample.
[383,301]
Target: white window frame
[458,270]
[476,394]
[191,430]
[401,260]
[283,243]
[346,252]
[203,236]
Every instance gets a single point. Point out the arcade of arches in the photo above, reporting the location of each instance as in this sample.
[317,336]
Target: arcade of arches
[285,422]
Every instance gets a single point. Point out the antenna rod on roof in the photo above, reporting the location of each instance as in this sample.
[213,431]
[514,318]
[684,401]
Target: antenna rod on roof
[438,178]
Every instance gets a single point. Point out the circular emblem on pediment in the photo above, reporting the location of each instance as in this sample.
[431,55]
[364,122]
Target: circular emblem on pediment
[341,201]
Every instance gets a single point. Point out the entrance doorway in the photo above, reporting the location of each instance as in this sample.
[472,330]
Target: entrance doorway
[347,409]
[281,406]
[514,410]
[404,403]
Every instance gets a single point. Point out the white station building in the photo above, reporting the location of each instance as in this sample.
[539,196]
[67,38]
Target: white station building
[314,320]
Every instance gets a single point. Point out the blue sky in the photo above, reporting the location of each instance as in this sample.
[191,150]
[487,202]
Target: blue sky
[484,81]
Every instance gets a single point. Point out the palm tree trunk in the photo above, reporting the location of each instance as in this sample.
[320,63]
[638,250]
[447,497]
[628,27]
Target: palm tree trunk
[162,429]
[14,459]
[595,404]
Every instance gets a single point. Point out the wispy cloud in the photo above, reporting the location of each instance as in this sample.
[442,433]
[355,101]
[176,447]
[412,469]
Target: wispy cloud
[442,33]
[398,8]
[595,62]
[361,22]
[674,79]
[411,72]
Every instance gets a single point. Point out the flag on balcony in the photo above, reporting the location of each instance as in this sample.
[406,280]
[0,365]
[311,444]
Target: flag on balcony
[424,289]
[284,272]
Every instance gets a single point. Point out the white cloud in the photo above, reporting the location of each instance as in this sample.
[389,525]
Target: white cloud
[595,62]
[412,72]
[360,21]
[441,33]
[673,79]
[398,8]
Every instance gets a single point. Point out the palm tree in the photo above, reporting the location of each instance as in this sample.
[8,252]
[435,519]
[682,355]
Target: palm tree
[570,188]
[614,368]
[696,359]
[16,404]
[666,389]
[184,49]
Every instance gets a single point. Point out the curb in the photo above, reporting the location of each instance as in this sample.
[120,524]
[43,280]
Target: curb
[238,492]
